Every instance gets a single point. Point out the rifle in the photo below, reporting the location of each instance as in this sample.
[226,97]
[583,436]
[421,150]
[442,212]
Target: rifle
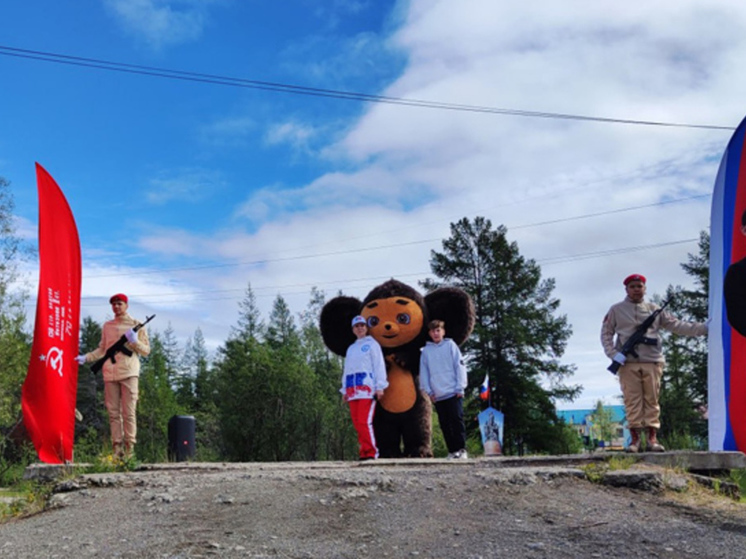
[638,338]
[118,347]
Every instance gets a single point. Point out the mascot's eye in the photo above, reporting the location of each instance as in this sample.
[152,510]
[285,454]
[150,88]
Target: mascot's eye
[373,321]
[403,318]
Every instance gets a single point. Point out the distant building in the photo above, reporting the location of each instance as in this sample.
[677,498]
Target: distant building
[582,422]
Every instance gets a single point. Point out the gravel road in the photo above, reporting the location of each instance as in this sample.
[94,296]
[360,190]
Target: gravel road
[418,508]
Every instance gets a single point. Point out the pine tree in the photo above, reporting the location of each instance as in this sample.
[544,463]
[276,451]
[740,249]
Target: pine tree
[199,398]
[246,388]
[172,355]
[684,384]
[156,404]
[281,330]
[191,383]
[93,432]
[250,324]
[291,395]
[518,337]
[330,427]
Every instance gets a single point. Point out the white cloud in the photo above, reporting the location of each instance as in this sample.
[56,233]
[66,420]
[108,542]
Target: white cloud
[228,132]
[402,174]
[424,166]
[24,229]
[338,60]
[161,23]
[183,185]
[296,134]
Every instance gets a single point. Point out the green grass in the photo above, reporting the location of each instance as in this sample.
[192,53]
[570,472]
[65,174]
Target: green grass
[28,498]
[621,462]
[108,463]
[595,471]
[739,477]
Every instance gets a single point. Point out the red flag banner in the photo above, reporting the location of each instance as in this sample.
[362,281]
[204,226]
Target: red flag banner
[48,397]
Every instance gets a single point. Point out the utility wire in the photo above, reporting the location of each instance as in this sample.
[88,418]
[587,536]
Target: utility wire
[225,294]
[610,252]
[322,92]
[621,210]
[382,247]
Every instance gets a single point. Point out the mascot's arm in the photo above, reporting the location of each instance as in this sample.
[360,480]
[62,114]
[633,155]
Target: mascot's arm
[409,361]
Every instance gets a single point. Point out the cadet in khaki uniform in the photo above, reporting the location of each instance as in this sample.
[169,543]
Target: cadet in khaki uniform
[640,377]
[121,378]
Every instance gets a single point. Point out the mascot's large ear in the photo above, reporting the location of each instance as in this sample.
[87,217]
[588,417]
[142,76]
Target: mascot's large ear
[336,323]
[453,306]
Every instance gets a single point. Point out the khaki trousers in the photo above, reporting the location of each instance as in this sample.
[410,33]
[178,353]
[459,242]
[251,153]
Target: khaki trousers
[120,398]
[641,387]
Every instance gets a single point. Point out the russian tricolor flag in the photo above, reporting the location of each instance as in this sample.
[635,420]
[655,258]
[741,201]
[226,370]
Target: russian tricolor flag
[727,349]
[484,389]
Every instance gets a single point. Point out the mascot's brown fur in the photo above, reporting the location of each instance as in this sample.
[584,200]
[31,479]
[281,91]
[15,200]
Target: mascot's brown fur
[397,317]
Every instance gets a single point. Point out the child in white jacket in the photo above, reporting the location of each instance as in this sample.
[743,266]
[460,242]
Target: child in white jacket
[363,379]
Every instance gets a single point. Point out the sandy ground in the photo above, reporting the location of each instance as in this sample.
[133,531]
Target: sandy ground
[425,508]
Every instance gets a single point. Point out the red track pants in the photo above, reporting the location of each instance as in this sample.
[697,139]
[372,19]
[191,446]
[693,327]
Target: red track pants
[362,418]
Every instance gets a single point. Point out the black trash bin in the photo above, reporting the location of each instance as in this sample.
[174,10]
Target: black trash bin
[181,438]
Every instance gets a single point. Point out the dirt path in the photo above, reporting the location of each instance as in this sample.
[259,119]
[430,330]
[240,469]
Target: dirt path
[420,509]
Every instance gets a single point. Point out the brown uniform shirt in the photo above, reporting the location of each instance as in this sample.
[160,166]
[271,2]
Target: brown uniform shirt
[625,317]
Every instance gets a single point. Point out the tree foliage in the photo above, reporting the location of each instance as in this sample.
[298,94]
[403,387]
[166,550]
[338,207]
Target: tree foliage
[683,396]
[272,391]
[331,428]
[15,342]
[157,400]
[518,337]
[603,423]
[93,430]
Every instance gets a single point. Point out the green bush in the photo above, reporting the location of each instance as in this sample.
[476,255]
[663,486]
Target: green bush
[739,477]
[13,461]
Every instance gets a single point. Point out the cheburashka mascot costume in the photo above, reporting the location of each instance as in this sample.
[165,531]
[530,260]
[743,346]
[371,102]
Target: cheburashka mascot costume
[397,317]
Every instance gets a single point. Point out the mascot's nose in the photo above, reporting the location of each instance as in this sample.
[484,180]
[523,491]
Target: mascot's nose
[388,326]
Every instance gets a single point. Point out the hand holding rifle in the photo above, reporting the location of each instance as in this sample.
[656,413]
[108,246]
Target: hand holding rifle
[118,347]
[637,338]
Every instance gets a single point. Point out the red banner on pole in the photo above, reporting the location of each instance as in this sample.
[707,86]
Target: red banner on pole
[49,392]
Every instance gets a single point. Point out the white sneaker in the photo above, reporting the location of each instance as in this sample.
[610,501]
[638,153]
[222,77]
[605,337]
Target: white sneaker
[461,454]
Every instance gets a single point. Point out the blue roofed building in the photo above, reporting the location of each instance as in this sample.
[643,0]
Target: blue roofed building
[582,422]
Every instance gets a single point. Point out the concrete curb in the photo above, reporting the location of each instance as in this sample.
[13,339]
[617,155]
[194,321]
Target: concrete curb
[687,461]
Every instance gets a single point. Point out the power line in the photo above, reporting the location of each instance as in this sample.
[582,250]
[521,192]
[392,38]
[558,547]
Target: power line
[267,260]
[608,212]
[273,288]
[383,247]
[610,252]
[281,288]
[322,92]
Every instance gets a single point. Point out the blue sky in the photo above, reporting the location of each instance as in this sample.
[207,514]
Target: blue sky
[185,192]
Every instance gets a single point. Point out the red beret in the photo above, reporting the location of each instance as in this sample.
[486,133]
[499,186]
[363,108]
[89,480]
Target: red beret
[634,277]
[119,297]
